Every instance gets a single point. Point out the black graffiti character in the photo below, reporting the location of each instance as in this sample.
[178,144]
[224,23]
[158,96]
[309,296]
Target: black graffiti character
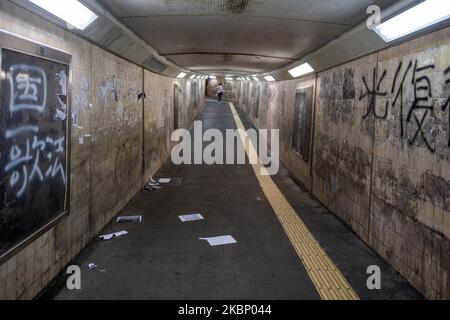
[422,102]
[447,104]
[372,94]
[400,91]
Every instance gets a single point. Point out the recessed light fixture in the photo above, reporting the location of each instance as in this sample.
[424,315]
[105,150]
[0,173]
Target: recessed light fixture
[301,70]
[71,11]
[269,78]
[414,19]
[181,75]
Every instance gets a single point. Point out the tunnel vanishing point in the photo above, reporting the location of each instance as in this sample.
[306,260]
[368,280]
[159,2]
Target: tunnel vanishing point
[225,150]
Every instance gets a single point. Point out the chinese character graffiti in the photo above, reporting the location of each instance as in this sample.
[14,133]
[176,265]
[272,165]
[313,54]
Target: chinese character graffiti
[372,93]
[34,140]
[416,114]
[446,106]
[28,85]
[422,105]
[400,91]
[34,134]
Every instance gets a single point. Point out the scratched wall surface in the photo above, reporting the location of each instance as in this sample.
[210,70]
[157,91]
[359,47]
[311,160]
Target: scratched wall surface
[343,143]
[381,152]
[159,115]
[410,207]
[106,146]
[116,128]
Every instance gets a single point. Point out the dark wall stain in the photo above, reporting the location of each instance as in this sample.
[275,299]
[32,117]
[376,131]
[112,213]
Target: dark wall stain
[237,6]
[325,86]
[407,195]
[436,190]
[338,162]
[283,102]
[337,108]
[349,85]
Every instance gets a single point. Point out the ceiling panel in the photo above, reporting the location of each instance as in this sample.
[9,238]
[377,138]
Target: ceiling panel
[276,32]
[233,34]
[244,63]
[348,12]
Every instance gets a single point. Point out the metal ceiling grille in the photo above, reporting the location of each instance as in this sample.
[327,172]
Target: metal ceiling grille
[208,34]
[154,65]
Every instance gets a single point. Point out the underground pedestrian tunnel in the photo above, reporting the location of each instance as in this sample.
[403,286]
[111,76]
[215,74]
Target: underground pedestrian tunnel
[323,174]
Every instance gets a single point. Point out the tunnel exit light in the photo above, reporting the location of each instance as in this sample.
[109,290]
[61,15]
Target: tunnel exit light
[301,70]
[71,11]
[414,19]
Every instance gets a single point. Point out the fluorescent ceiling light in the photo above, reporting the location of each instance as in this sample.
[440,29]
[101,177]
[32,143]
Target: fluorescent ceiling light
[301,70]
[416,18]
[248,79]
[193,76]
[269,78]
[212,77]
[229,79]
[71,11]
[255,78]
[181,75]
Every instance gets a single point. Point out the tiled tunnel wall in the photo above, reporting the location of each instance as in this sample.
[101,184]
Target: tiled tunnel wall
[110,135]
[381,152]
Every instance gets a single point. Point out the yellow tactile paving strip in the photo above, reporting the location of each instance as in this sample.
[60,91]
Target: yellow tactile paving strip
[328,280]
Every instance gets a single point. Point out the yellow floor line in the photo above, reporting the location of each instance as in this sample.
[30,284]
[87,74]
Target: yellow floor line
[328,280]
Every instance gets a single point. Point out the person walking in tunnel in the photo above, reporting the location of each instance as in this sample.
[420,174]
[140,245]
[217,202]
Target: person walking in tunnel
[219,92]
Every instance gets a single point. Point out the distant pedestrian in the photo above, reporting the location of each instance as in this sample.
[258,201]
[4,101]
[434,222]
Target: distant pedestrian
[219,92]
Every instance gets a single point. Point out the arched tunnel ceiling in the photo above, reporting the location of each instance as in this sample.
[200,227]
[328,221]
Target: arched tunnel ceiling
[245,36]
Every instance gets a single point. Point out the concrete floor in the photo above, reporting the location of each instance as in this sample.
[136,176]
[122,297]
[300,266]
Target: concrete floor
[162,258]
